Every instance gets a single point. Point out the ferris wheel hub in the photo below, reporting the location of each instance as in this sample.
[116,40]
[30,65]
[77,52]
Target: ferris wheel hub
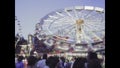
[79,22]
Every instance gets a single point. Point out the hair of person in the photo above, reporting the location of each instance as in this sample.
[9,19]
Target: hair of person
[79,63]
[62,58]
[45,56]
[92,55]
[52,61]
[20,58]
[31,60]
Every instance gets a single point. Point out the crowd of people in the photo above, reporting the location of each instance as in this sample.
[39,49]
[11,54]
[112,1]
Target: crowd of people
[45,61]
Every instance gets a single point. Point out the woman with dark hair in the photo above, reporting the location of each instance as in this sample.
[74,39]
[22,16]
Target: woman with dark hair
[79,63]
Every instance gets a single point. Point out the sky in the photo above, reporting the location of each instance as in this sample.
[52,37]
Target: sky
[29,12]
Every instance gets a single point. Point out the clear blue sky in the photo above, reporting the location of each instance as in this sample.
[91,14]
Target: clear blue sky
[29,12]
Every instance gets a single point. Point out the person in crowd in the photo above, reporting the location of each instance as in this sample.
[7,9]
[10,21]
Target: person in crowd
[32,51]
[52,62]
[17,49]
[32,60]
[41,63]
[22,53]
[72,61]
[25,62]
[61,63]
[68,64]
[93,61]
[39,58]
[16,58]
[79,63]
[19,63]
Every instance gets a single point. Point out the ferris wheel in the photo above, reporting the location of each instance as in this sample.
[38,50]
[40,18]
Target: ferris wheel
[83,24]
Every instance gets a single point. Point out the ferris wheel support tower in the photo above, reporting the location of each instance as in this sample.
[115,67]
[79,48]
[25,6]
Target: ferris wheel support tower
[79,30]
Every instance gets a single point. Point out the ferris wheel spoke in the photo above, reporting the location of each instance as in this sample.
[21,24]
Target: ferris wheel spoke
[72,18]
[65,29]
[68,25]
[90,14]
[80,13]
[87,38]
[70,30]
[60,21]
[71,25]
[101,32]
[93,33]
[96,36]
[94,15]
[58,13]
[52,24]
[90,27]
[87,14]
[91,24]
[61,29]
[76,14]
[83,13]
[53,17]
[102,15]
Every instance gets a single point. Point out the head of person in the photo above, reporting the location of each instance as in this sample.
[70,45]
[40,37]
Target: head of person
[31,60]
[92,55]
[62,59]
[45,56]
[20,58]
[93,61]
[79,63]
[52,61]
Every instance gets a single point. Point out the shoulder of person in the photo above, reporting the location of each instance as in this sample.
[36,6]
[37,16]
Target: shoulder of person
[46,67]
